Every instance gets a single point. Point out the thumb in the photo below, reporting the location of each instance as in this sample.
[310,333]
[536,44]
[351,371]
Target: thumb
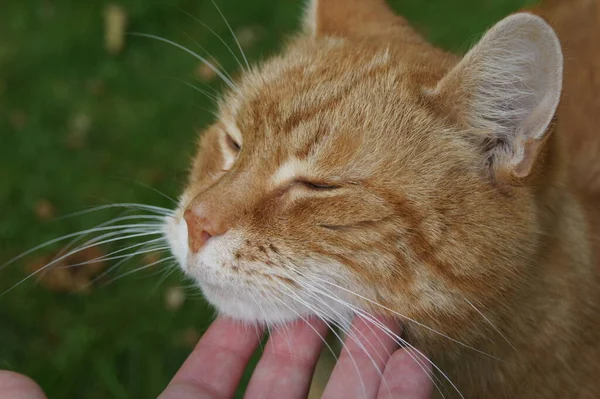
[18,386]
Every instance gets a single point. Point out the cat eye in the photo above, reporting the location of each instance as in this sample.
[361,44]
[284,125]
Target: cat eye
[232,144]
[321,186]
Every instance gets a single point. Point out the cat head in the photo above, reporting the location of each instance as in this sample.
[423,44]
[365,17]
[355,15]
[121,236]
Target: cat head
[362,169]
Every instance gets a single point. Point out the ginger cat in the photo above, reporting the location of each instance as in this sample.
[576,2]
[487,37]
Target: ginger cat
[365,171]
[577,23]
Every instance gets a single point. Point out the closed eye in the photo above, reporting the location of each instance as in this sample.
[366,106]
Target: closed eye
[317,185]
[232,144]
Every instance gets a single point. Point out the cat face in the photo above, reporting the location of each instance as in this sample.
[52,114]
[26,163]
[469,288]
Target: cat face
[366,171]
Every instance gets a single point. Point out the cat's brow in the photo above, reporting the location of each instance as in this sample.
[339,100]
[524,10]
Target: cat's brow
[233,130]
[289,170]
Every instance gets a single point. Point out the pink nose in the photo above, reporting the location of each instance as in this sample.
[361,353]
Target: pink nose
[201,227]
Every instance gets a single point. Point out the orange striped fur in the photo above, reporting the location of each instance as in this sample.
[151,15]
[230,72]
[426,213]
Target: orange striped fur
[419,205]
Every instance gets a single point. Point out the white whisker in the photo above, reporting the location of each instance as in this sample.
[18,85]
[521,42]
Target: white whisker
[216,70]
[170,269]
[79,249]
[490,323]
[67,236]
[340,322]
[213,113]
[305,304]
[157,191]
[114,267]
[217,36]
[109,222]
[208,54]
[232,34]
[109,257]
[392,335]
[198,89]
[347,330]
[310,325]
[156,209]
[141,268]
[415,354]
[404,317]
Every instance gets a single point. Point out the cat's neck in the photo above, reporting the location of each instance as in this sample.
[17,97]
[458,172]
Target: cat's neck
[550,319]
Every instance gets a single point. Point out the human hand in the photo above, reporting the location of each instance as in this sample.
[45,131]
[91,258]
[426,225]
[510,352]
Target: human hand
[215,367]
[17,386]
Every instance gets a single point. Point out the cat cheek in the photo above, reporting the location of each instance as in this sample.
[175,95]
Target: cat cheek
[175,232]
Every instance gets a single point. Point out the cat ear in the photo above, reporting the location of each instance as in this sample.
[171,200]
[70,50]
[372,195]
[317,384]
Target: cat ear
[506,90]
[348,17]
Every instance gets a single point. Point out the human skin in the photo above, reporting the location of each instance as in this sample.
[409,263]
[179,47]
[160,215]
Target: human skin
[215,366]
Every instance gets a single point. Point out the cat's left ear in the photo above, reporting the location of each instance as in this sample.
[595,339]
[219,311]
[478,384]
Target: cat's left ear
[506,91]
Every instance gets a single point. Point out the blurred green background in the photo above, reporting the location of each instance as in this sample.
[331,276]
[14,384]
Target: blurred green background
[79,126]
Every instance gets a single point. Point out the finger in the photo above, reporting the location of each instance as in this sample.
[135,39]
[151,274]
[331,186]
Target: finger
[18,386]
[288,361]
[407,375]
[214,368]
[357,374]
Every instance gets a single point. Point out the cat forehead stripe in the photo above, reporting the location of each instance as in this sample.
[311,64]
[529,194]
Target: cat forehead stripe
[289,170]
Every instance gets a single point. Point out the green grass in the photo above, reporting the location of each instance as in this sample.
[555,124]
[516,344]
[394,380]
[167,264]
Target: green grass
[119,341]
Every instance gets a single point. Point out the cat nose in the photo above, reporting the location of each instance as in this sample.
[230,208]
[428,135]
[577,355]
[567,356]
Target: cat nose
[201,226]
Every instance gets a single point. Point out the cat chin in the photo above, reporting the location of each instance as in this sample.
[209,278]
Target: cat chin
[249,309]
[244,306]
